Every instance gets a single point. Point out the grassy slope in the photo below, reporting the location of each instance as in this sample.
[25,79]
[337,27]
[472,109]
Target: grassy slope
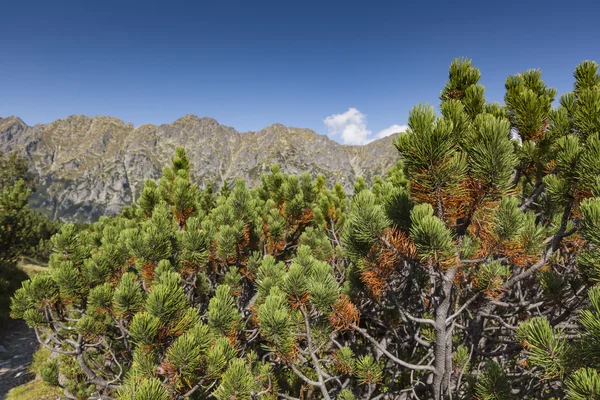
[35,389]
[32,267]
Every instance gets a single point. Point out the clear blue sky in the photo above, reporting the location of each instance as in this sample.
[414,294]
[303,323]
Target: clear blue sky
[253,63]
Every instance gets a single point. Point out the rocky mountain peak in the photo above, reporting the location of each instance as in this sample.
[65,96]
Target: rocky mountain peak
[191,119]
[277,127]
[11,119]
[11,131]
[89,166]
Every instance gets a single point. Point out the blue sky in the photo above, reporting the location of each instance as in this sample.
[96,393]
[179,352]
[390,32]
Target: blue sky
[249,64]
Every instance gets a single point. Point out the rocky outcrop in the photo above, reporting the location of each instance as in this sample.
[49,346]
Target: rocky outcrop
[92,166]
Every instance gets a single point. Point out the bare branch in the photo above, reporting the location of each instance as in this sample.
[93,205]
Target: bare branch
[462,308]
[390,355]
[536,193]
[54,349]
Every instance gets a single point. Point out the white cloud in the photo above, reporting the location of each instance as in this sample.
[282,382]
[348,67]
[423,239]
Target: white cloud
[351,128]
[392,129]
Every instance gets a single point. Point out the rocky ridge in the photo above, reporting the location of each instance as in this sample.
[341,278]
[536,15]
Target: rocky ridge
[90,166]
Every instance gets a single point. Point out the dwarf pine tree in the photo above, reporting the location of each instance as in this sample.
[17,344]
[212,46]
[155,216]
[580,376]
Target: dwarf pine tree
[485,235]
[186,297]
[468,271]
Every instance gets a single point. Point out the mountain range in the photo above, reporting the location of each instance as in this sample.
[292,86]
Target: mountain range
[90,166]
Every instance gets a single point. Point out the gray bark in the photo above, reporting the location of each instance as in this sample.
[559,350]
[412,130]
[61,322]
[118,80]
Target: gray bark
[443,337]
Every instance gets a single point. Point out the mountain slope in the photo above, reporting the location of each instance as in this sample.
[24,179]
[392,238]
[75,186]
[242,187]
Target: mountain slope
[89,166]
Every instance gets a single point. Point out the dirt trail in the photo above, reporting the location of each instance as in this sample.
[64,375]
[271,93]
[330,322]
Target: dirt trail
[17,345]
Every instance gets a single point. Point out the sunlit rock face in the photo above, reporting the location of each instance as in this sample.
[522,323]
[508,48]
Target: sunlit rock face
[90,166]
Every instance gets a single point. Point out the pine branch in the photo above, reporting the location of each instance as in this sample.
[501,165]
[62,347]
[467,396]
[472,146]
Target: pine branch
[539,189]
[53,349]
[500,320]
[462,370]
[91,375]
[262,392]
[303,377]
[285,396]
[420,340]
[554,245]
[321,383]
[120,374]
[390,355]
[462,308]
[409,316]
[190,392]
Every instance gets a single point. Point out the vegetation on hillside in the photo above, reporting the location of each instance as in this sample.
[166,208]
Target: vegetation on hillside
[23,232]
[468,271]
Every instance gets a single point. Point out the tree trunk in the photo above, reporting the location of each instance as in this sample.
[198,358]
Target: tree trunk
[443,338]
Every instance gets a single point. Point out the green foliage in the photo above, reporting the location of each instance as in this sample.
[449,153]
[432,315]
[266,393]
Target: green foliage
[588,348]
[185,355]
[432,238]
[430,151]
[590,223]
[40,357]
[144,389]
[10,281]
[491,157]
[461,358]
[223,315]
[367,370]
[365,223]
[490,277]
[529,102]
[149,197]
[23,232]
[49,372]
[346,394]
[275,320]
[509,220]
[237,382]
[167,298]
[318,242]
[344,360]
[493,384]
[218,356]
[393,195]
[75,380]
[461,77]
[13,168]
[144,328]
[359,185]
[545,346]
[128,297]
[584,384]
